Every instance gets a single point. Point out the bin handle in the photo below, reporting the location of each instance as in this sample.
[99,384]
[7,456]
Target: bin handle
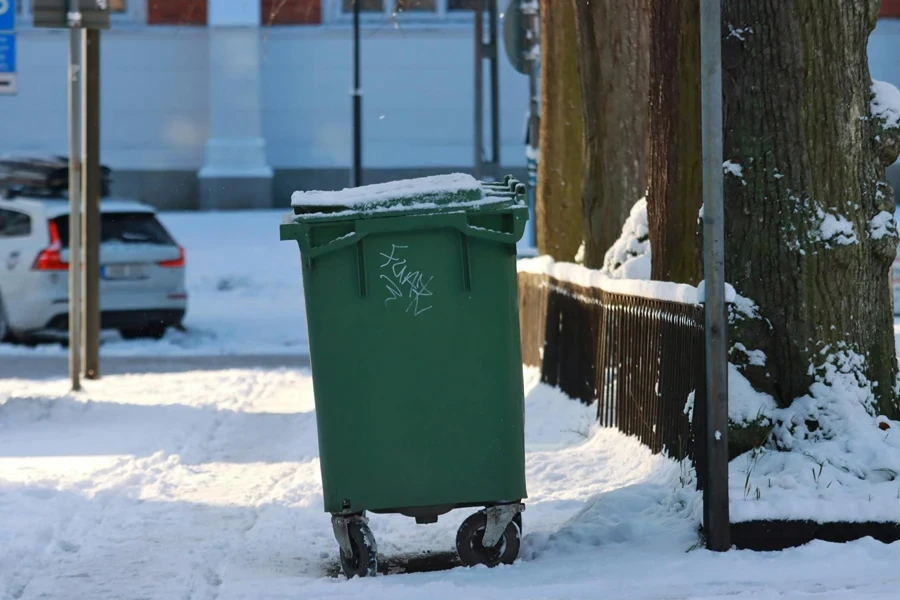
[336,244]
[457,220]
[300,232]
[492,235]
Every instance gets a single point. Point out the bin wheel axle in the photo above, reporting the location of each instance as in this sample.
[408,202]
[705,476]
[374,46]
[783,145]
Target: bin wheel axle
[470,538]
[359,553]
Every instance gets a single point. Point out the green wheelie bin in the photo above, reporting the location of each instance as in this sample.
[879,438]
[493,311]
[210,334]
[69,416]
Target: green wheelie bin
[412,311]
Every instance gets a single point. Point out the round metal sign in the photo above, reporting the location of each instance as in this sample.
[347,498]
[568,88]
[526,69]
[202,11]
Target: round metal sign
[514,36]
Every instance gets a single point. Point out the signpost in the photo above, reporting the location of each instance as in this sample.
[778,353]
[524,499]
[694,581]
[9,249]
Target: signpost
[7,47]
[488,170]
[71,14]
[521,30]
[75,208]
[356,178]
[84,19]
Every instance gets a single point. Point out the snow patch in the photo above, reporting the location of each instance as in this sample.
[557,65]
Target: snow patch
[745,405]
[885,104]
[689,405]
[830,459]
[629,257]
[733,168]
[823,226]
[757,358]
[834,228]
[881,225]
[379,193]
[738,32]
[588,278]
[579,255]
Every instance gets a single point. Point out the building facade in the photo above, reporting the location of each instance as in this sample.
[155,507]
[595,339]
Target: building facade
[236,103]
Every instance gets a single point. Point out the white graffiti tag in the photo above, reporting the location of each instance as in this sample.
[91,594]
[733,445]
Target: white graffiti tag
[400,277]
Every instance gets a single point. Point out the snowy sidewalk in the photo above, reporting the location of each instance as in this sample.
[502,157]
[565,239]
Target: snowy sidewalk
[206,485]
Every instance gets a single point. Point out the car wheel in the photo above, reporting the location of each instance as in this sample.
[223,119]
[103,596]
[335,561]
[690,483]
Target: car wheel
[152,332]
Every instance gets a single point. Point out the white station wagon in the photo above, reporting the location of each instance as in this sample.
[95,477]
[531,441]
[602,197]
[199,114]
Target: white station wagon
[142,281]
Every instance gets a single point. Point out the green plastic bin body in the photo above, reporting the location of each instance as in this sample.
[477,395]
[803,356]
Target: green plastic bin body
[415,354]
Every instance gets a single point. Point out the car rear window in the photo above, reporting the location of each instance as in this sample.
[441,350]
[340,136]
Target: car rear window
[123,228]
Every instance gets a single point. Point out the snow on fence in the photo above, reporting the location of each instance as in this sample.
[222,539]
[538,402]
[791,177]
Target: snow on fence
[640,355]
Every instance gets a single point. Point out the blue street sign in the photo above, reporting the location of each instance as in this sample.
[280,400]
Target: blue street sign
[7,52]
[7,15]
[7,63]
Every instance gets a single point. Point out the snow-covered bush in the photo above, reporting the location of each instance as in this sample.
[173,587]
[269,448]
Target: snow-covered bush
[629,257]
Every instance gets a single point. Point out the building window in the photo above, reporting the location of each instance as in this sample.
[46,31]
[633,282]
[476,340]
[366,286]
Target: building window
[290,12]
[405,10]
[175,12]
[364,5]
[14,224]
[121,11]
[890,9]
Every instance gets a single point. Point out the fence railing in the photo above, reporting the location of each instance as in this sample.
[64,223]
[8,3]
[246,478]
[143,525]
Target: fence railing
[639,358]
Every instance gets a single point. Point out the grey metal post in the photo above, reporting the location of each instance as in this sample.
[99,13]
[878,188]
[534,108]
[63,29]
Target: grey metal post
[357,101]
[531,9]
[716,491]
[495,92]
[75,204]
[479,87]
[90,192]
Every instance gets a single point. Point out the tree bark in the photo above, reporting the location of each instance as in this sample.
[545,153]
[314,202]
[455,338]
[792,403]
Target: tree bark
[558,202]
[614,62]
[803,188]
[675,174]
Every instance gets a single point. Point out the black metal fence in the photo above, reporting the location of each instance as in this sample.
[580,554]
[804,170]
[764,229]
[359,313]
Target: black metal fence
[640,359]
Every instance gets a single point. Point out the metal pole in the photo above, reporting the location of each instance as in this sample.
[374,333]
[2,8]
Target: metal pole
[716,491]
[479,87]
[357,101]
[90,192]
[495,93]
[531,9]
[75,207]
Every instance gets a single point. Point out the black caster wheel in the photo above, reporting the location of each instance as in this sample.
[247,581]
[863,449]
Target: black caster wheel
[364,561]
[472,552]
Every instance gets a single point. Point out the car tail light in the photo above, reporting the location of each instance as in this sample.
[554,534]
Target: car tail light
[176,262]
[50,259]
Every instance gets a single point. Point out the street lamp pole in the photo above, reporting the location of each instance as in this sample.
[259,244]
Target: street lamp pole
[357,102]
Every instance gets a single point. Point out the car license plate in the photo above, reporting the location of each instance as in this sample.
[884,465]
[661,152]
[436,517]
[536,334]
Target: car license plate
[124,271]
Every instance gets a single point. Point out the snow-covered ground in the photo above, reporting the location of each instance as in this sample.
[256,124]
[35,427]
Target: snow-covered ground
[206,485]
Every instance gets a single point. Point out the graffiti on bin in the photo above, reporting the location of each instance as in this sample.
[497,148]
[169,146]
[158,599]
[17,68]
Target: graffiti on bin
[400,277]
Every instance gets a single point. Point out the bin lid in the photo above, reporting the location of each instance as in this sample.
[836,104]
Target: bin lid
[436,193]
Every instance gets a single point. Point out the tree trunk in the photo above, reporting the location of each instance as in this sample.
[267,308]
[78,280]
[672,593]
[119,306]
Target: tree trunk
[558,202]
[614,62]
[803,188]
[675,186]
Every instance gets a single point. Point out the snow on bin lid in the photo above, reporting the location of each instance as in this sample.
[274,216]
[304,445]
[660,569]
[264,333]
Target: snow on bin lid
[423,192]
